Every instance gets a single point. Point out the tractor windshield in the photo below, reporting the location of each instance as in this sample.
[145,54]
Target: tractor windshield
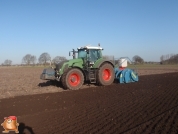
[95,54]
[82,53]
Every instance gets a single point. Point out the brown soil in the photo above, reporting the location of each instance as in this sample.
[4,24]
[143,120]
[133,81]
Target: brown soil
[18,81]
[148,106]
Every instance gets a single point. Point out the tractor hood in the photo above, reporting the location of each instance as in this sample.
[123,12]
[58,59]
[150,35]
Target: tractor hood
[64,65]
[75,63]
[59,65]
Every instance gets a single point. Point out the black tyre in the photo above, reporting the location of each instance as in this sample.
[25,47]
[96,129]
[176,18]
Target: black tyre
[72,79]
[105,74]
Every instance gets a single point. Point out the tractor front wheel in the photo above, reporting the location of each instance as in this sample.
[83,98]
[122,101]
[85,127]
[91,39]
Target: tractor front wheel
[72,79]
[105,74]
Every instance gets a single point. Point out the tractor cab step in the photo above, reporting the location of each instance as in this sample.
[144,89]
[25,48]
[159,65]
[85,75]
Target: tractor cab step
[92,76]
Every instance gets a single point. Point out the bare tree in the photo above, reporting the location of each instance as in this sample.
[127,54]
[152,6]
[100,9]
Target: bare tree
[137,59]
[173,59]
[161,58]
[28,59]
[170,59]
[58,59]
[44,58]
[33,59]
[107,57]
[7,62]
[167,56]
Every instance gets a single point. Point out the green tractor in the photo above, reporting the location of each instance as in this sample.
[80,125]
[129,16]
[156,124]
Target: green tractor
[89,66]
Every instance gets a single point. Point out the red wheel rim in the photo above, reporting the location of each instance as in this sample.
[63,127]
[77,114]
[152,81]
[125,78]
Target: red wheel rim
[74,79]
[106,74]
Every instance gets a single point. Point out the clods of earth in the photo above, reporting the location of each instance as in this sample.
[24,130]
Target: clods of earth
[147,106]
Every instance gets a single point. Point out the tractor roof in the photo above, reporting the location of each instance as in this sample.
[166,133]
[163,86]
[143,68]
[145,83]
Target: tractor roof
[90,47]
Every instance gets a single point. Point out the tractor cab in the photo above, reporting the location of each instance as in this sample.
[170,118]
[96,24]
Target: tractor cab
[90,54]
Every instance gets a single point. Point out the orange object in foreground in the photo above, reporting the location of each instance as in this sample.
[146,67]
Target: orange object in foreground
[10,124]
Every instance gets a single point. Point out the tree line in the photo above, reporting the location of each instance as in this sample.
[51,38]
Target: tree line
[169,59]
[43,59]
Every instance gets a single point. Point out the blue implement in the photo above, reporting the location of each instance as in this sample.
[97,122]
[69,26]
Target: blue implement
[125,75]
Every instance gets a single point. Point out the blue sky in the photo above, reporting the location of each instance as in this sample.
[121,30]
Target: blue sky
[148,28]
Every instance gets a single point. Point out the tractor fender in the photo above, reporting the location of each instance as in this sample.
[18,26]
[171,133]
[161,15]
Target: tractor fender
[102,61]
[71,63]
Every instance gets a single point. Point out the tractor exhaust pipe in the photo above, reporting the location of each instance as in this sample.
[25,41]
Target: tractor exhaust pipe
[73,53]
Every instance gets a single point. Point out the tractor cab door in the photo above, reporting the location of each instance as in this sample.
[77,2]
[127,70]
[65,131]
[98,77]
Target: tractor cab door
[94,55]
[82,53]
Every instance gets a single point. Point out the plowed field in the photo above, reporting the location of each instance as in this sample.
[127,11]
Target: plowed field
[148,106]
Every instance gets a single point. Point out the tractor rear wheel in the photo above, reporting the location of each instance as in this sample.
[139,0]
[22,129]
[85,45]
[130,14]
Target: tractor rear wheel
[72,79]
[105,74]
